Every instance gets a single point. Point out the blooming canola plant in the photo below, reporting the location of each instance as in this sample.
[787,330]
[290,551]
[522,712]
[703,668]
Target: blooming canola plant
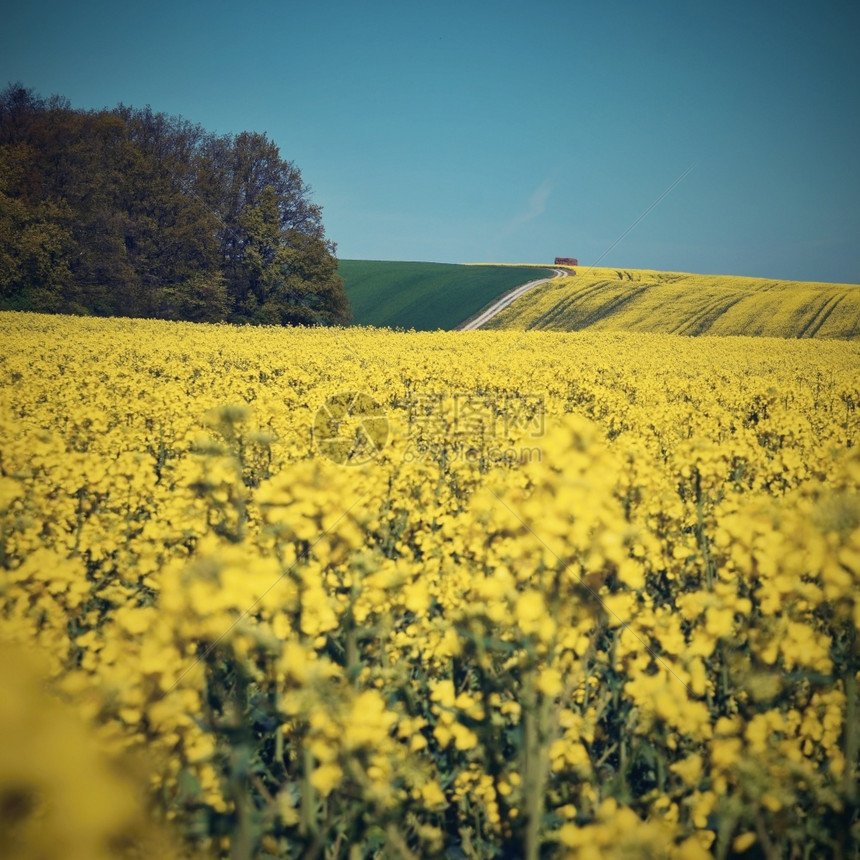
[588,594]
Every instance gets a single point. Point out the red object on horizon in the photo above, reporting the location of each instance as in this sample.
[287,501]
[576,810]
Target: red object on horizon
[566,261]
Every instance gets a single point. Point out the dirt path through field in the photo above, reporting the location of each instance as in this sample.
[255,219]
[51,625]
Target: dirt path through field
[502,302]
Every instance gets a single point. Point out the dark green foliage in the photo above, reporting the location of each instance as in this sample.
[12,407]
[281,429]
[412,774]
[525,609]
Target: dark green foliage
[131,213]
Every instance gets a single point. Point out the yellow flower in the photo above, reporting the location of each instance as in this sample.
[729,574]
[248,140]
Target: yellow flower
[725,752]
[530,610]
[464,738]
[743,842]
[703,804]
[326,778]
[771,803]
[432,795]
[443,735]
[689,769]
[550,682]
[443,692]
[719,622]
[369,722]
[201,748]
[693,848]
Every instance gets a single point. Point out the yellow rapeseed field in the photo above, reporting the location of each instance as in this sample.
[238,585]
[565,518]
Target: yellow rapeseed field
[362,593]
[678,303]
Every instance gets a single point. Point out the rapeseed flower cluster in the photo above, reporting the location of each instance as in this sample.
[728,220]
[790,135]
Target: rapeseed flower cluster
[642,642]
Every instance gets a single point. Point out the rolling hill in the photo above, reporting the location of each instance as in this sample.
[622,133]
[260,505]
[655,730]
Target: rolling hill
[687,304]
[426,296]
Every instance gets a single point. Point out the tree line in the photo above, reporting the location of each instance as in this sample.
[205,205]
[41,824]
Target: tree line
[128,212]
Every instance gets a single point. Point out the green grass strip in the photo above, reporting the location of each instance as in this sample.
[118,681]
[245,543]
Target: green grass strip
[426,296]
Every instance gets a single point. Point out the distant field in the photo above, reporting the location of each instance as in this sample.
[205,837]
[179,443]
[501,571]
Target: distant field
[678,303]
[425,296]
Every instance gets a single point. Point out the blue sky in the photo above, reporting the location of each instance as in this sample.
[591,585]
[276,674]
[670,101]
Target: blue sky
[508,132]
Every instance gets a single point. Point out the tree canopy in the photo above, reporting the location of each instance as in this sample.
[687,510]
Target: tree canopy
[128,212]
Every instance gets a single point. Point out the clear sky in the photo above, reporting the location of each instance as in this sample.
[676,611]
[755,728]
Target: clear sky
[487,130]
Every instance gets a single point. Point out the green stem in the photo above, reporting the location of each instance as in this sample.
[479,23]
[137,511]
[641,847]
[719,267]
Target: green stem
[767,848]
[307,824]
[242,842]
[279,745]
[353,658]
[536,767]
[852,740]
[79,515]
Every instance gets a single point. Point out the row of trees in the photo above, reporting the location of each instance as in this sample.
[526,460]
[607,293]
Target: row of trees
[132,213]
